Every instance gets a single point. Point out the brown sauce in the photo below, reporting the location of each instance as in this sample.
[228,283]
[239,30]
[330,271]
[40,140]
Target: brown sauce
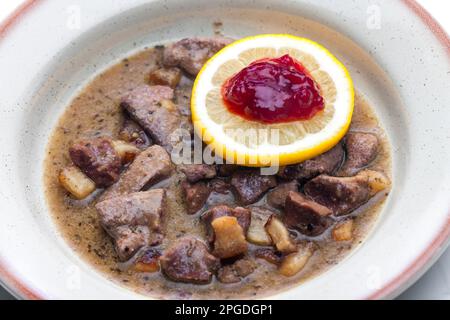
[95,112]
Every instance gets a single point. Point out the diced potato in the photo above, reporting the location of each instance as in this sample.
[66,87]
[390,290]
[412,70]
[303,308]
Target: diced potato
[166,77]
[126,151]
[295,262]
[146,267]
[256,233]
[229,238]
[279,235]
[377,180]
[169,105]
[76,182]
[149,262]
[343,231]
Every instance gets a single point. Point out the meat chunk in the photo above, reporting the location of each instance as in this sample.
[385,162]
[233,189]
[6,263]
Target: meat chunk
[149,167]
[165,77]
[226,170]
[307,216]
[133,220]
[97,159]
[183,99]
[219,185]
[188,260]
[250,185]
[362,148]
[277,197]
[196,195]
[242,215]
[340,194]
[196,172]
[152,108]
[325,163]
[191,53]
[229,237]
[235,272]
[133,133]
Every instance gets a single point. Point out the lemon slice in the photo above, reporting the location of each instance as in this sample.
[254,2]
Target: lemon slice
[253,143]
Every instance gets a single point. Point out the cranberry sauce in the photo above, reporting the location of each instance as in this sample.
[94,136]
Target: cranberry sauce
[273,91]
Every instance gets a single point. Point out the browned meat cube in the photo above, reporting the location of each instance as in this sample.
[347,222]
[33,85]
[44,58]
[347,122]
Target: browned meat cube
[362,148]
[288,172]
[133,133]
[226,170]
[277,197]
[235,272]
[165,77]
[325,163]
[307,216]
[191,53]
[183,99]
[242,215]
[250,185]
[149,261]
[151,107]
[229,237]
[149,167]
[270,255]
[340,194]
[97,159]
[196,195]
[219,185]
[196,172]
[133,220]
[188,260]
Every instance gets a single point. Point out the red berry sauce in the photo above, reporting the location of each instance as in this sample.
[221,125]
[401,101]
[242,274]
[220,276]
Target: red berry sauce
[273,91]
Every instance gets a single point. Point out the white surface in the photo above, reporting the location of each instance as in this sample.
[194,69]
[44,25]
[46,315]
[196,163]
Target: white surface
[423,289]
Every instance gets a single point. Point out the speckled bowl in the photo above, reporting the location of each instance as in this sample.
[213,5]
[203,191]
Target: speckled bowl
[397,55]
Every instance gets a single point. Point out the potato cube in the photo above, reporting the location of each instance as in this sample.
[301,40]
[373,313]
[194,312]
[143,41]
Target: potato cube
[126,151]
[76,182]
[165,77]
[229,238]
[168,105]
[343,231]
[295,262]
[149,261]
[256,233]
[377,180]
[279,235]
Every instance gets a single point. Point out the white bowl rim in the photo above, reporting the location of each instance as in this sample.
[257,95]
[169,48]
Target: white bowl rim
[420,264]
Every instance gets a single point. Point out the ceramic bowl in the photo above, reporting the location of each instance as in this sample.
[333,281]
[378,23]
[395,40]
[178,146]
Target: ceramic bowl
[397,55]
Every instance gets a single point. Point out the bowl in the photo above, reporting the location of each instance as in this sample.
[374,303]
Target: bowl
[51,49]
